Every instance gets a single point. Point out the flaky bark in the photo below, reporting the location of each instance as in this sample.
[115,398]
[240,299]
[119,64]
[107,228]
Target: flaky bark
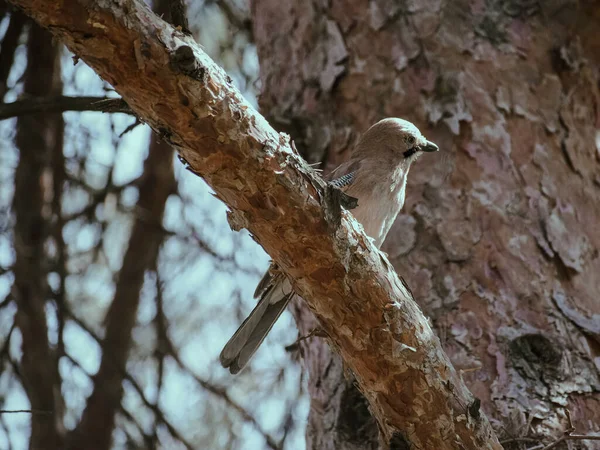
[37,138]
[499,237]
[373,322]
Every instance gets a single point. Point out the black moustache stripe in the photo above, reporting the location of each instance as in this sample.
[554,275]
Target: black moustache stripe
[410,152]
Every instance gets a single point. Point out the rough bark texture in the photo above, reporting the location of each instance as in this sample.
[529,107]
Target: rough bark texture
[37,137]
[370,316]
[499,239]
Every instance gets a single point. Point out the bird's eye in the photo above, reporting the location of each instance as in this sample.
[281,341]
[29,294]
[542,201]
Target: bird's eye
[410,140]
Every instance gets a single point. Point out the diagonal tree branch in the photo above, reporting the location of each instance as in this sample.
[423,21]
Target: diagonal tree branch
[414,392]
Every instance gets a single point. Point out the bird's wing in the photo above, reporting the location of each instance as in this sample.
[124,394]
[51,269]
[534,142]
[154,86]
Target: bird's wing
[265,281]
[343,181]
[344,175]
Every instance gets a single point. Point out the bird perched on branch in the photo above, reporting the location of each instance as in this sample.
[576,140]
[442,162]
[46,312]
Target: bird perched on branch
[376,175]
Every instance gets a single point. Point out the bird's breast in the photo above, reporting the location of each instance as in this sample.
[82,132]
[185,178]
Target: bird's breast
[377,210]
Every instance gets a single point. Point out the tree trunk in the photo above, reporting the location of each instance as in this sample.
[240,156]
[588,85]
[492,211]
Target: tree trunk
[175,87]
[38,137]
[498,237]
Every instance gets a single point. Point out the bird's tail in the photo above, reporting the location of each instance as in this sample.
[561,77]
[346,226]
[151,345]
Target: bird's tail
[252,332]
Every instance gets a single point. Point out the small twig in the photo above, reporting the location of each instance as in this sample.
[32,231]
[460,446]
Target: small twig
[5,347]
[571,427]
[568,436]
[572,437]
[130,127]
[7,301]
[222,393]
[519,439]
[315,332]
[63,103]
[28,411]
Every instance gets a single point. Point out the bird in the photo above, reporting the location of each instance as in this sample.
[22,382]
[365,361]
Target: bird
[375,174]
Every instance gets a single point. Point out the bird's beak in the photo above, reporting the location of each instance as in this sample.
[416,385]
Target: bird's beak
[430,147]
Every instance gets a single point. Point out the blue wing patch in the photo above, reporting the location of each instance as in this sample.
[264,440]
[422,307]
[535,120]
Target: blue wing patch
[343,181]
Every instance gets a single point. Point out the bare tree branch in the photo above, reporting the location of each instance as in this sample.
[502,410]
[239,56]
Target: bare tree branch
[569,437]
[63,103]
[219,392]
[126,376]
[169,350]
[26,411]
[98,417]
[372,320]
[149,441]
[9,46]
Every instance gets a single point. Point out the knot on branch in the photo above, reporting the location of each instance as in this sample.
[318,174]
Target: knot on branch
[183,60]
[399,442]
[535,356]
[237,221]
[112,105]
[354,421]
[475,409]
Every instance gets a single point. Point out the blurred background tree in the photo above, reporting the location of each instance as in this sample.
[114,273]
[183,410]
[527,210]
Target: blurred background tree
[120,279]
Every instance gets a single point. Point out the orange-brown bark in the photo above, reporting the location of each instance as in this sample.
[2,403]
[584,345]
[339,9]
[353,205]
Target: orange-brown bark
[368,313]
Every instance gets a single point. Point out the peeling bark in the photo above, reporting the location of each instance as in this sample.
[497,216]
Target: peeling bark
[500,239]
[370,316]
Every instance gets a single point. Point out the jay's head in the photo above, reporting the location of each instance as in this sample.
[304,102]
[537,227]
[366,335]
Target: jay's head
[393,141]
